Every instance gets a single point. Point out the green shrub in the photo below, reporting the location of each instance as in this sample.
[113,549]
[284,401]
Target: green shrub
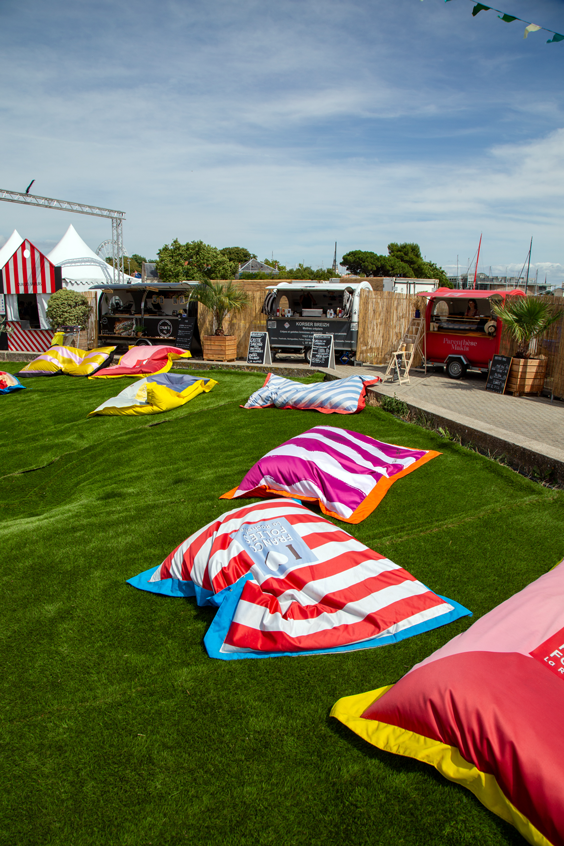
[394,406]
[68,308]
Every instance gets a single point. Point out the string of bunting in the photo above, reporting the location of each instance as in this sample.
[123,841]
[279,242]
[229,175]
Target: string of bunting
[503,16]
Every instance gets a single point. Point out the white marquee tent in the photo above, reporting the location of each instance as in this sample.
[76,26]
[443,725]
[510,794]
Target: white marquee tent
[13,243]
[81,267]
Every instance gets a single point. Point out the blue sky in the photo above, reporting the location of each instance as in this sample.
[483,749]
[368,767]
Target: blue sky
[286,125]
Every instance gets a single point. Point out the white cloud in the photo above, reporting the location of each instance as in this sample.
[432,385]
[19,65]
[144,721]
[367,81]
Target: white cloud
[283,127]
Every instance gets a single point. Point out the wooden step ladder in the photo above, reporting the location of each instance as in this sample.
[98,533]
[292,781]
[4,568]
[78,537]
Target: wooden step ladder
[402,357]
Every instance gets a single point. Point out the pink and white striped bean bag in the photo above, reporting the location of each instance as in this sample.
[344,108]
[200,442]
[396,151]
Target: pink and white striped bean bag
[347,473]
[288,582]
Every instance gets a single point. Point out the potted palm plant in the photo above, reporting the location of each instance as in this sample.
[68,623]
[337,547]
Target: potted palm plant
[526,319]
[221,298]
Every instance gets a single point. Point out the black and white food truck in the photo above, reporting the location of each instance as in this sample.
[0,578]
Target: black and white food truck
[154,313]
[296,311]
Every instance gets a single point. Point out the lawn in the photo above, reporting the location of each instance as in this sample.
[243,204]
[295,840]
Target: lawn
[116,726]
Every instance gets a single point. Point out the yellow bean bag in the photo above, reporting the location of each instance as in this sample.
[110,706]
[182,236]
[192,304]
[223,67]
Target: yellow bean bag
[155,394]
[69,360]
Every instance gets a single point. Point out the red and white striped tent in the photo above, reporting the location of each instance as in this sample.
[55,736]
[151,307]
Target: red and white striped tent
[24,270]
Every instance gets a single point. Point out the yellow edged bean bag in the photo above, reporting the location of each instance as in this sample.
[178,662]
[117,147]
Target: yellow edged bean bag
[69,360]
[155,394]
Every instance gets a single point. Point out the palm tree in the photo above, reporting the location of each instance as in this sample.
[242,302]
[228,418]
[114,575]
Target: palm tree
[526,318]
[221,299]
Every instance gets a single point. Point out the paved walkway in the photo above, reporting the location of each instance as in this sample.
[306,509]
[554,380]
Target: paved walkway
[532,422]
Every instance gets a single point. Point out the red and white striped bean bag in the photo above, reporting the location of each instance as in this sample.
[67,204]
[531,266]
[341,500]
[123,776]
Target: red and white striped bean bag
[290,582]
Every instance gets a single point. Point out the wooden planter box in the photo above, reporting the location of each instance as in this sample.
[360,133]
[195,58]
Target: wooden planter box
[526,376]
[219,347]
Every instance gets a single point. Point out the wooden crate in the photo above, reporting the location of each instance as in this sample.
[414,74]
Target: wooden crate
[219,347]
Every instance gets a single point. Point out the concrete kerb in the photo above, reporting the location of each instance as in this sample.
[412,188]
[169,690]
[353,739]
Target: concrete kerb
[527,456]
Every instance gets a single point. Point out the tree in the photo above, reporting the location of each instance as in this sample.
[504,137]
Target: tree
[220,298]
[237,254]
[68,308]
[410,254]
[300,272]
[193,260]
[402,260]
[526,318]
[131,264]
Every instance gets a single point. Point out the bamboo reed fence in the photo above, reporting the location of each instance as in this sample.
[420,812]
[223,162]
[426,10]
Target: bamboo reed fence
[88,338]
[550,345]
[383,320]
[243,322]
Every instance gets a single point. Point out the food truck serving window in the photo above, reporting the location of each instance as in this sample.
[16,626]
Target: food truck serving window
[462,315]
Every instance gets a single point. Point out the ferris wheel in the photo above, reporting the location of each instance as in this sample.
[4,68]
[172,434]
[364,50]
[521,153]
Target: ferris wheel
[105,250]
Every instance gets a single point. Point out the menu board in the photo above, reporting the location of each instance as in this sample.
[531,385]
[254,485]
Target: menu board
[499,371]
[259,349]
[185,332]
[323,351]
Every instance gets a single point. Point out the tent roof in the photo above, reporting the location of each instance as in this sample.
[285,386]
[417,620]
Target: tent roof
[72,246]
[7,251]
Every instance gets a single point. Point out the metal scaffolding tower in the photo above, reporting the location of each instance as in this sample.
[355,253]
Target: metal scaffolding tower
[117,218]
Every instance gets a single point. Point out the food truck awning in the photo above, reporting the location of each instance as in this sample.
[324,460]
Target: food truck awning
[470,293]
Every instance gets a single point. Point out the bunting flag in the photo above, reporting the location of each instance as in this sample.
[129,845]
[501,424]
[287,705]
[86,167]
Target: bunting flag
[506,18]
[531,28]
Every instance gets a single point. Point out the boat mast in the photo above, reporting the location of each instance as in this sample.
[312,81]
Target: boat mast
[528,264]
[477,260]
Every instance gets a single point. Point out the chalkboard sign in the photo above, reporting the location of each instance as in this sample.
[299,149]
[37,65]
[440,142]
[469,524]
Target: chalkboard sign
[259,349]
[499,371]
[323,351]
[185,332]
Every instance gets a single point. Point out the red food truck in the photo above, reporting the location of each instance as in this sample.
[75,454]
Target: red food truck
[461,330]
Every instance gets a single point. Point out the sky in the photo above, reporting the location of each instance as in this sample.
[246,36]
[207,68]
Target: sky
[283,126]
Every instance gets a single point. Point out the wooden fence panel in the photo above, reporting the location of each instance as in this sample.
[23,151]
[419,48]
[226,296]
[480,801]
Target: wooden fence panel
[88,338]
[240,323]
[550,345]
[383,320]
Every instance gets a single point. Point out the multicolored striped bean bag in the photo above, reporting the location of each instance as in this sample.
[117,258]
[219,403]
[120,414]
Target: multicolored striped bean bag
[68,360]
[289,582]
[485,710]
[347,473]
[155,394]
[9,383]
[144,361]
[341,396]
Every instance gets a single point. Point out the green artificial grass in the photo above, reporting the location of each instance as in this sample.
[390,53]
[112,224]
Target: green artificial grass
[116,726]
